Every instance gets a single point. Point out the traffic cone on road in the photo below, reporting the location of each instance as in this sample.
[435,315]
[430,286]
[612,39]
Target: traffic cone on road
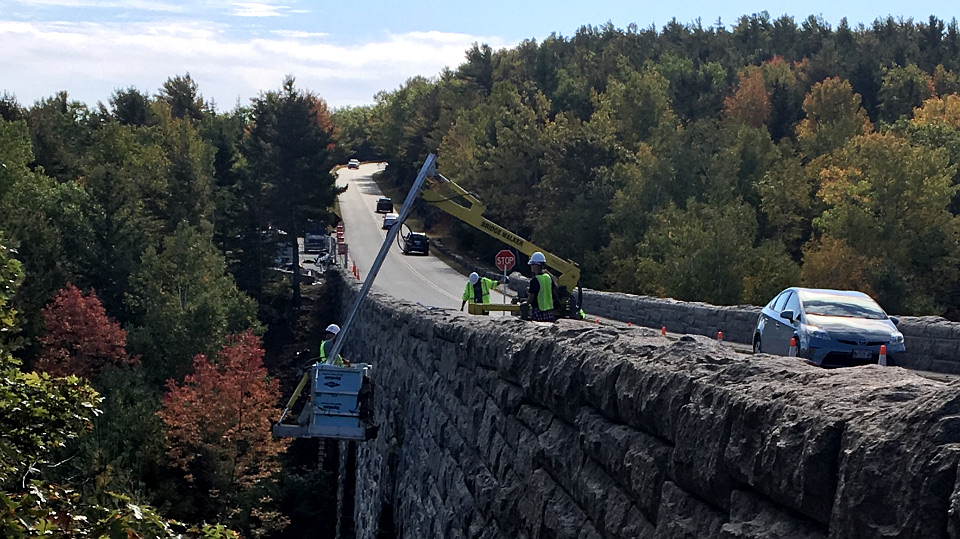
[883,355]
[663,331]
[598,320]
[629,324]
[793,347]
[719,335]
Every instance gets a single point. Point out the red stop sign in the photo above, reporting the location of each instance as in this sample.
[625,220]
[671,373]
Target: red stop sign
[505,260]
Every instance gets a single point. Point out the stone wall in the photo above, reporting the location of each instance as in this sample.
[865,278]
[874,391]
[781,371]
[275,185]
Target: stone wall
[933,343]
[494,427]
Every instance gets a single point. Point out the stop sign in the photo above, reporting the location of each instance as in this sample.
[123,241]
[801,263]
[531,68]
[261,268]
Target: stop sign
[505,260]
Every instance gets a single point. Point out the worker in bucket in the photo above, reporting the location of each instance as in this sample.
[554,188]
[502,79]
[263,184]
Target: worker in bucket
[327,346]
[541,291]
[478,289]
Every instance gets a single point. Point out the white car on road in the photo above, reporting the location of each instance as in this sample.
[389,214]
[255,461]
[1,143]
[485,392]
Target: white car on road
[389,220]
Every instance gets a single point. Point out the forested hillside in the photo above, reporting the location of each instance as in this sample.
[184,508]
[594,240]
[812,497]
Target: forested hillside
[706,163]
[136,238]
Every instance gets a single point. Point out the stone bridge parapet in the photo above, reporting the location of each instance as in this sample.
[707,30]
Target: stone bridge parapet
[493,427]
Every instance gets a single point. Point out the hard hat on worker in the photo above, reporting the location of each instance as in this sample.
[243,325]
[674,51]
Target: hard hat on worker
[474,278]
[537,258]
[333,328]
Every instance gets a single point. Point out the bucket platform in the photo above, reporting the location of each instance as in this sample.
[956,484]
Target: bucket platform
[340,405]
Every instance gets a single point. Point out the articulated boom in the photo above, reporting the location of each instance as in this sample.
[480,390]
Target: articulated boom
[444,193]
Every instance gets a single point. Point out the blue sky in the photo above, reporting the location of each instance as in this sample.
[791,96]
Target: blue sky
[345,51]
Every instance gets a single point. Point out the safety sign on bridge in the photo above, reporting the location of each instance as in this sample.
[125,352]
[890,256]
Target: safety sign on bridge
[505,260]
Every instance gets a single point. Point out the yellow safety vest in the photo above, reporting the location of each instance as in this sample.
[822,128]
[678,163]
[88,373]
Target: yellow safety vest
[323,354]
[545,297]
[485,285]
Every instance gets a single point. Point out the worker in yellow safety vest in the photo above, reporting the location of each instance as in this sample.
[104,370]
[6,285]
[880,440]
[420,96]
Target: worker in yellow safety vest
[327,346]
[478,290]
[541,290]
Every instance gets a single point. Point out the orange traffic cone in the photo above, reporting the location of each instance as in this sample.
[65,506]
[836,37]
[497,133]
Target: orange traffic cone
[883,355]
[628,324]
[663,331]
[598,320]
[793,347]
[719,335]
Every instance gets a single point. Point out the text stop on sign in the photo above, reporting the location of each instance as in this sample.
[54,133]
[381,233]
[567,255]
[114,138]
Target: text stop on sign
[505,260]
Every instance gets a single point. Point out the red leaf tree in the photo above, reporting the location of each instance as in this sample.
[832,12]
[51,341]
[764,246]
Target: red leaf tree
[218,423]
[81,339]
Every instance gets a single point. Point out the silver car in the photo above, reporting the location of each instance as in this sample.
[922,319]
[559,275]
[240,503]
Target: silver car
[831,327]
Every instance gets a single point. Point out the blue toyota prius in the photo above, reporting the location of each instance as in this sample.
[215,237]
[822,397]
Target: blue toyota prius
[831,327]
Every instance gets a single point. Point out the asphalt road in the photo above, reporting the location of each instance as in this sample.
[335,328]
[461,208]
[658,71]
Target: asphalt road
[420,279]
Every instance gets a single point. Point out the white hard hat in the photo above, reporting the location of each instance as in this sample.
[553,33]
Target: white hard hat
[537,258]
[333,328]
[474,278]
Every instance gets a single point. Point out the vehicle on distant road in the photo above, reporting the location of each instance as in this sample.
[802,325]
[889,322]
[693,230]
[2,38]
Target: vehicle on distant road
[353,163]
[314,242]
[416,242]
[832,328]
[389,220]
[384,205]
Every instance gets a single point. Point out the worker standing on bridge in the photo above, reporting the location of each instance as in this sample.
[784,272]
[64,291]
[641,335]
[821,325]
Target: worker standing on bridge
[327,346]
[541,290]
[478,290]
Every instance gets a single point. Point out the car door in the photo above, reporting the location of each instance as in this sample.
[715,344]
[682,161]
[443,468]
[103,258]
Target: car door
[790,327]
[781,328]
[766,325]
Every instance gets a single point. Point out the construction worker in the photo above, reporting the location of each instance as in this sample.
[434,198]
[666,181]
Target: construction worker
[327,346]
[541,290]
[478,290]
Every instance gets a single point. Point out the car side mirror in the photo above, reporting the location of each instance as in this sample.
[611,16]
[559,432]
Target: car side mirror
[895,320]
[788,314]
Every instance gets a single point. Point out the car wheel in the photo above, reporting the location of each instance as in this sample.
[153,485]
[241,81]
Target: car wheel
[426,252]
[757,348]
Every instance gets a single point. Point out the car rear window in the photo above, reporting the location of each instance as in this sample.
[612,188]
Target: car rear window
[825,304]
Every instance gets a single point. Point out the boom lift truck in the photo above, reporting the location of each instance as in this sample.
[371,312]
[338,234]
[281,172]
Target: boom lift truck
[447,195]
[340,403]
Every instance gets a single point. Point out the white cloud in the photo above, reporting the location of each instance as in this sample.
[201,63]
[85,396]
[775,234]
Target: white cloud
[91,60]
[296,34]
[247,9]
[143,5]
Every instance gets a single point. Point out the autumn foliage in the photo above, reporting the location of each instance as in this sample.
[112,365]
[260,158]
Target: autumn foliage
[750,104]
[81,339]
[219,419]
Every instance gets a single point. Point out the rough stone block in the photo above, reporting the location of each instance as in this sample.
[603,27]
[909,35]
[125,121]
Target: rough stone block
[561,455]
[898,472]
[682,516]
[650,396]
[604,502]
[752,517]
[538,419]
[561,516]
[533,499]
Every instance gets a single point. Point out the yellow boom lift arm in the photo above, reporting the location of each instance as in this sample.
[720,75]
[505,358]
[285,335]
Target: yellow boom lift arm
[444,194]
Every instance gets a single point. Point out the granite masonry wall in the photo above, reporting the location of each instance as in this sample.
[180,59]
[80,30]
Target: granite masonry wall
[493,427]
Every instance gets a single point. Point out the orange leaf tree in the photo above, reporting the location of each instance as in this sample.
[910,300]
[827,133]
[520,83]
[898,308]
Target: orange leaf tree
[218,423]
[81,339]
